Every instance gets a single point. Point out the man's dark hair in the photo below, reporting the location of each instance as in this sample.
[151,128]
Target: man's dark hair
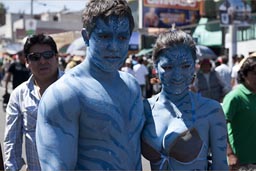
[39,39]
[248,65]
[20,53]
[224,59]
[103,9]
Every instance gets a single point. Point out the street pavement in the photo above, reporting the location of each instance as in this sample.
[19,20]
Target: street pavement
[145,163]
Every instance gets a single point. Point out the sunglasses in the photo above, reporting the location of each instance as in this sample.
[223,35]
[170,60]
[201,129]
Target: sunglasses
[37,56]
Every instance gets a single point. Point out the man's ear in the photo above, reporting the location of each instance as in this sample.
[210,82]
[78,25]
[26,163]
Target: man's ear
[85,36]
[26,60]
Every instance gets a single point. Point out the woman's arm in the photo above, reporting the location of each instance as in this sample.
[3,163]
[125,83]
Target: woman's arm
[218,139]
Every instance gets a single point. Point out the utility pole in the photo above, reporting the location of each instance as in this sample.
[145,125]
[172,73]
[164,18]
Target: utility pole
[233,45]
[234,14]
[232,32]
[31,8]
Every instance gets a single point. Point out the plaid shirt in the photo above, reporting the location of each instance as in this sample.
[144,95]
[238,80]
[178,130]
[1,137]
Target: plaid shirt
[21,116]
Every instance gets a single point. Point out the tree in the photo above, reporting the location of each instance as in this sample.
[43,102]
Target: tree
[2,14]
[2,8]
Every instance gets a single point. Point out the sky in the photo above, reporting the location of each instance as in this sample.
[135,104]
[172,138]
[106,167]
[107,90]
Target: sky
[40,6]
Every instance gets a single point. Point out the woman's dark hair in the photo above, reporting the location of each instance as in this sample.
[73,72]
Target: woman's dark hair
[248,65]
[104,8]
[39,39]
[173,38]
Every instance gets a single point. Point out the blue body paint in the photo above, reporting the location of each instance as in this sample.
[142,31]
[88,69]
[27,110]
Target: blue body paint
[92,118]
[176,111]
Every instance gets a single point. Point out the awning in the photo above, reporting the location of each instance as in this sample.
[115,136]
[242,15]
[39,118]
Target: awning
[144,52]
[208,33]
[13,48]
[76,45]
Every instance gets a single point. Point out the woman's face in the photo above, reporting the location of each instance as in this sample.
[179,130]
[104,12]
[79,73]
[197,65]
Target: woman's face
[176,68]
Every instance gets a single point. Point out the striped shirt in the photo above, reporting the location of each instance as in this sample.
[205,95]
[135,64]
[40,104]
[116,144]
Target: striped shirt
[21,116]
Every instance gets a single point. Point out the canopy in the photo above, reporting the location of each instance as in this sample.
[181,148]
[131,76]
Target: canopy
[208,33]
[144,52]
[13,48]
[204,52]
[76,45]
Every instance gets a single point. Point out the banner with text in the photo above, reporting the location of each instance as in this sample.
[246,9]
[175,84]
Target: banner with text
[165,13]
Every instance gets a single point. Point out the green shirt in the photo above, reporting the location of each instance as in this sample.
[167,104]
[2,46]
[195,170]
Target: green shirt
[239,107]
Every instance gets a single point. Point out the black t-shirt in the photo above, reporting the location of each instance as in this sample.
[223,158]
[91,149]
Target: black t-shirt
[1,159]
[20,73]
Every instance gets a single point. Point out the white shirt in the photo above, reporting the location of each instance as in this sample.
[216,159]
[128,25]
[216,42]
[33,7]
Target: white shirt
[21,118]
[128,69]
[140,73]
[225,75]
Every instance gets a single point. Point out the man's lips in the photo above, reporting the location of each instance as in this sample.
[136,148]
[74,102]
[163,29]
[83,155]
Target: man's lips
[43,68]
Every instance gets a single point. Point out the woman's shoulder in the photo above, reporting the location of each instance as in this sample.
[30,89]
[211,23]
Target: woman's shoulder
[204,101]
[206,106]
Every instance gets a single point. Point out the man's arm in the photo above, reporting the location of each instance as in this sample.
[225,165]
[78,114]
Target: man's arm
[57,129]
[8,76]
[233,161]
[7,80]
[13,136]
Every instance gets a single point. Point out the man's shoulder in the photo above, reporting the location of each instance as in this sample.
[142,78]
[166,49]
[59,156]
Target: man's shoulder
[236,93]
[12,66]
[221,67]
[127,77]
[25,86]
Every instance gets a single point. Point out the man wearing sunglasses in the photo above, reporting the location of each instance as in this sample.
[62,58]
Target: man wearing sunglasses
[21,113]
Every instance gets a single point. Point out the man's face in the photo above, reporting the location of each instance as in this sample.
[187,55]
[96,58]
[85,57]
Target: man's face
[250,80]
[205,67]
[43,69]
[109,42]
[176,68]
[22,58]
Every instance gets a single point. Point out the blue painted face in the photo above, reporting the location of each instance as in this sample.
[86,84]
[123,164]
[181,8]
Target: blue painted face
[176,68]
[109,42]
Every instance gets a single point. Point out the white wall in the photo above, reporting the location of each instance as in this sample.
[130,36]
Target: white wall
[244,47]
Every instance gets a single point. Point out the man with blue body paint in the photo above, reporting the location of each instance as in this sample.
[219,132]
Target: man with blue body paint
[84,120]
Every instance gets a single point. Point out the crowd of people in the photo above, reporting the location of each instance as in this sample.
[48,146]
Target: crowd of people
[213,77]
[105,110]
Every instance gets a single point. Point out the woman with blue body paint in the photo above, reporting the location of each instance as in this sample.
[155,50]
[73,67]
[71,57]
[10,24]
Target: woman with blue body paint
[181,126]
[85,121]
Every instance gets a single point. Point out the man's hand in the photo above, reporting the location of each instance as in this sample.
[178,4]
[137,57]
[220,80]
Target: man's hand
[233,162]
